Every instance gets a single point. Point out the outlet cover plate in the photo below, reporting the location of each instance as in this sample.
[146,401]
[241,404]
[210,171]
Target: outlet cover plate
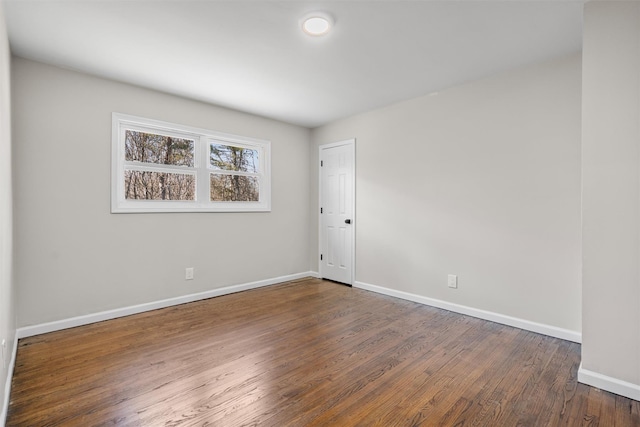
[452,281]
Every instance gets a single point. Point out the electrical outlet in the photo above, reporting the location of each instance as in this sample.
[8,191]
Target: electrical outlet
[188,273]
[452,281]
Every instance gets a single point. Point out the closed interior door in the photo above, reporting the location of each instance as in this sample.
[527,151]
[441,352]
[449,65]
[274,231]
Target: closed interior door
[337,211]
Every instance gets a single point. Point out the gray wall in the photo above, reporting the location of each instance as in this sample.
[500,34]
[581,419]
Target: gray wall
[481,180]
[73,257]
[611,190]
[7,310]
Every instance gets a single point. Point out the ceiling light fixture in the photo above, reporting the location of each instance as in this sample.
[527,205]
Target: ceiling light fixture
[317,23]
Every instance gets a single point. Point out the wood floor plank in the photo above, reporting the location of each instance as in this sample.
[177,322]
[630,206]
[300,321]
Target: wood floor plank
[305,353]
[432,354]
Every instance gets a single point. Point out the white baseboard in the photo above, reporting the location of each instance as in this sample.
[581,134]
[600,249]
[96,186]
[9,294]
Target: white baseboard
[28,331]
[603,382]
[527,325]
[7,385]
[314,274]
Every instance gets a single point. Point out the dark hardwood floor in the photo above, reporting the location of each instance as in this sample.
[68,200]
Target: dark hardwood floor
[305,353]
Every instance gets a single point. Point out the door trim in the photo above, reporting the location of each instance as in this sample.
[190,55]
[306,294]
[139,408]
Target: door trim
[350,142]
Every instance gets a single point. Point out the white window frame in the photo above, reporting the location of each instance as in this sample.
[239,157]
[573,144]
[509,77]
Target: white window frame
[201,169]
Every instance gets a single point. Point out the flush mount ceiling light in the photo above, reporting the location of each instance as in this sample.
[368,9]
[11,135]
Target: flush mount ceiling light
[317,23]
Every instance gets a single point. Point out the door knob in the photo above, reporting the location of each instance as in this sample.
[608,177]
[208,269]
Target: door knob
[347,221]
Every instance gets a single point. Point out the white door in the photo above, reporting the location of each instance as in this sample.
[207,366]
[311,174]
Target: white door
[337,211]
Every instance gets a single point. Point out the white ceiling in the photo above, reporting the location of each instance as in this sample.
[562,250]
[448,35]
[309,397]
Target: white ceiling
[252,56]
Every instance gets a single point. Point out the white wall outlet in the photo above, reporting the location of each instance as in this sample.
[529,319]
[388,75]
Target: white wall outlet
[188,273]
[452,281]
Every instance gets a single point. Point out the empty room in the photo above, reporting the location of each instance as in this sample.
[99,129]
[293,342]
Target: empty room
[329,213]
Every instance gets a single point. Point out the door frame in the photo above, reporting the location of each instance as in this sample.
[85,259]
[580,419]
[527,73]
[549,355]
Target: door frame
[352,143]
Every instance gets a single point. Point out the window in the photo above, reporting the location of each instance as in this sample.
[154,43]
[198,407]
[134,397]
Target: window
[164,167]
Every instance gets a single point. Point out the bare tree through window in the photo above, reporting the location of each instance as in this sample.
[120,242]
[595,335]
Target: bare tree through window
[229,187]
[160,149]
[149,185]
[152,148]
[234,188]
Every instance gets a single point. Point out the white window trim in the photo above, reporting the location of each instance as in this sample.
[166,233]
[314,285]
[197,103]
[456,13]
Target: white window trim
[202,138]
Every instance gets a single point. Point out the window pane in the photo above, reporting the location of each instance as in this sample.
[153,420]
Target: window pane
[160,149]
[234,188]
[230,158]
[147,185]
